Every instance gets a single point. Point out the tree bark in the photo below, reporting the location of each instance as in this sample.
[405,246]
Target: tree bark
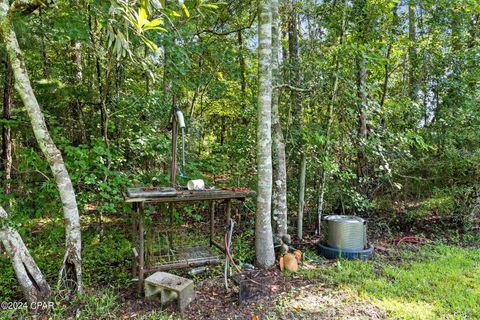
[241,61]
[294,60]
[295,96]
[301,196]
[102,90]
[326,149]
[223,129]
[265,255]
[412,51]
[79,136]
[362,116]
[77,50]
[395,22]
[386,77]
[31,280]
[6,130]
[362,98]
[71,267]
[43,48]
[279,201]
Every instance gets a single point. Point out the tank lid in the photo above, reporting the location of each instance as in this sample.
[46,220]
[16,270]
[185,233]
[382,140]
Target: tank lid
[340,218]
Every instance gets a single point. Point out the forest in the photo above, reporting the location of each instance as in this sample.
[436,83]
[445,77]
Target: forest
[255,159]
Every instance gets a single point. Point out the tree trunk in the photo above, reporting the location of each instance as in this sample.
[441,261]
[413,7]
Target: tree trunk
[223,129]
[31,280]
[80,135]
[241,61]
[386,77]
[294,59]
[279,202]
[412,51]
[71,268]
[301,196]
[43,47]
[362,116]
[102,90]
[77,49]
[295,81]
[6,130]
[265,255]
[362,25]
[326,149]
[394,28]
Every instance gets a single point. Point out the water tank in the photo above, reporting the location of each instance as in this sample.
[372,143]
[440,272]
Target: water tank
[346,232]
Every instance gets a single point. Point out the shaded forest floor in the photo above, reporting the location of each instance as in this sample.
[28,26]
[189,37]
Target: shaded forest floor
[436,279]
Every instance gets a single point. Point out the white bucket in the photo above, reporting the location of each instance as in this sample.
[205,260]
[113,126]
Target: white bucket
[197,184]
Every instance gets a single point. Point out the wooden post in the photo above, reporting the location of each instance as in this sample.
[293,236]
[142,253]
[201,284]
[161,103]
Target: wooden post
[141,235]
[212,221]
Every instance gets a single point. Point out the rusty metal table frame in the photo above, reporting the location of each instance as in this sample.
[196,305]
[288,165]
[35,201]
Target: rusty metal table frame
[184,196]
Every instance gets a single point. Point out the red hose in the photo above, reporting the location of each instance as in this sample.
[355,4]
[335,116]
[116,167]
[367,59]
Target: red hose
[408,239]
[227,250]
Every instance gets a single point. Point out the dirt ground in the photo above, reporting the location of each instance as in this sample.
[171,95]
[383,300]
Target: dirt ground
[289,298]
[274,296]
[280,298]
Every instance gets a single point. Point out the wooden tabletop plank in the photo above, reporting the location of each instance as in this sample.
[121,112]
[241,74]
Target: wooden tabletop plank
[200,195]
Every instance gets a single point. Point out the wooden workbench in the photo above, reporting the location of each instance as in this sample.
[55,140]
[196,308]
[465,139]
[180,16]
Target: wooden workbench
[182,196]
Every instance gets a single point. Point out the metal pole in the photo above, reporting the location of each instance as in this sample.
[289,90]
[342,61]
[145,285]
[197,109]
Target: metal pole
[141,267]
[173,173]
[183,151]
[301,197]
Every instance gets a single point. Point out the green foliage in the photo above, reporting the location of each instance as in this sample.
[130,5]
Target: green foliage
[8,280]
[242,247]
[134,60]
[101,305]
[439,204]
[100,257]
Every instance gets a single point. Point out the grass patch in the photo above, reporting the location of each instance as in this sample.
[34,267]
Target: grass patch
[443,281]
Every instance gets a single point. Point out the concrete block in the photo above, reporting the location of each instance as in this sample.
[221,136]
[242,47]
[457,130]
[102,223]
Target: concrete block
[169,287]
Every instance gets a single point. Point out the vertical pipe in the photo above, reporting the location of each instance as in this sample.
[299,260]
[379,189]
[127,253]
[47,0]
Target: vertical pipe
[183,151]
[301,197]
[141,249]
[173,173]
[134,217]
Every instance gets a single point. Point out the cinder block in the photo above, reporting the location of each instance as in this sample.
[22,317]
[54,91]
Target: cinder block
[169,287]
